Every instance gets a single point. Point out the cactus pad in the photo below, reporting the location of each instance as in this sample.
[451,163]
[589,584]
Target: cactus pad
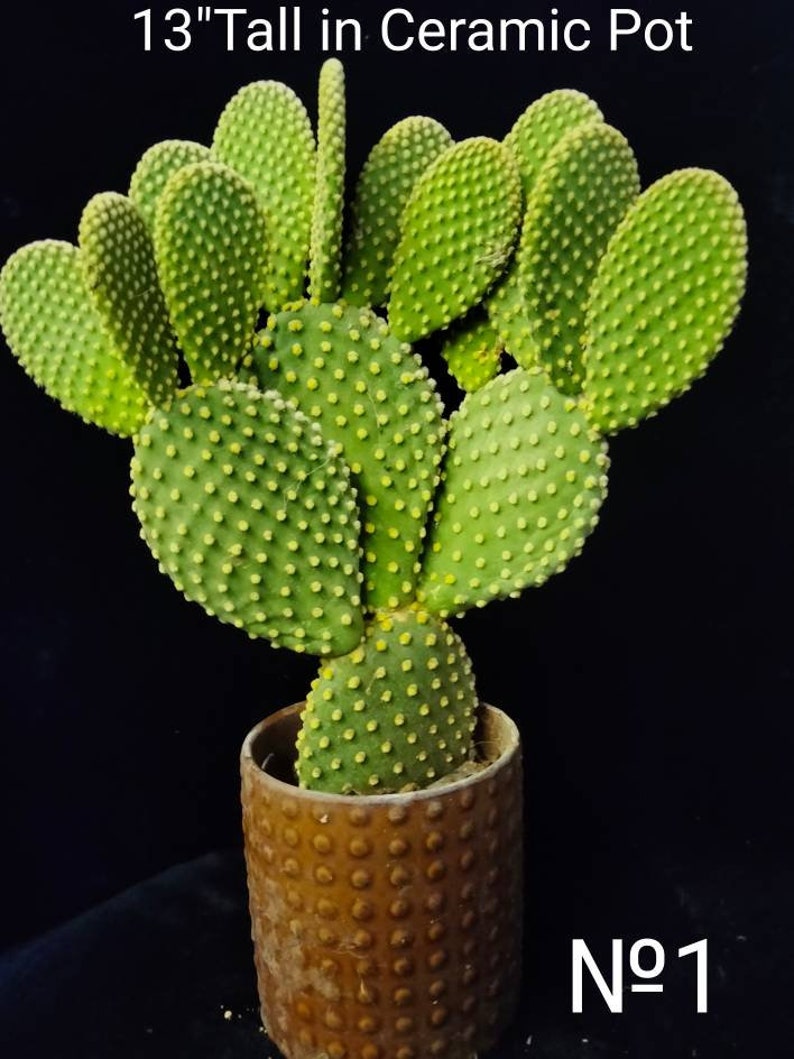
[372,396]
[459,229]
[251,513]
[582,193]
[524,478]
[473,351]
[210,242]
[118,259]
[541,127]
[265,134]
[665,296]
[154,169]
[397,712]
[508,315]
[394,165]
[535,134]
[59,337]
[325,267]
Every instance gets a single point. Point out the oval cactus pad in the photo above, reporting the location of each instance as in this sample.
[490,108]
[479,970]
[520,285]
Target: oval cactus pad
[211,246]
[56,332]
[459,229]
[524,478]
[251,513]
[582,193]
[372,396]
[265,135]
[666,295]
[398,711]
[118,258]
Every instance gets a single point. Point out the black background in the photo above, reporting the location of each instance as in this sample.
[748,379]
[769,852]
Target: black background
[652,682]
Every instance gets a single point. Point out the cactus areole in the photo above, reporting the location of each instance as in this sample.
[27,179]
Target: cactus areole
[307,485]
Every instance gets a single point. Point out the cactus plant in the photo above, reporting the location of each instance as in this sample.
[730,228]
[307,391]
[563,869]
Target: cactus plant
[306,485]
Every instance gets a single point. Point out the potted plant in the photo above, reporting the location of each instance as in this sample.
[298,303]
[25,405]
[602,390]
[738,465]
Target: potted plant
[298,477]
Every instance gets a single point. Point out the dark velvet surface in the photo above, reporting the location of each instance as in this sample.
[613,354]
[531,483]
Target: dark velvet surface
[652,682]
[165,969]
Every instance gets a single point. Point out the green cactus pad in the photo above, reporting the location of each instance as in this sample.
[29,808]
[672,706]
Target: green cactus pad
[154,169]
[541,127]
[394,165]
[524,478]
[211,242]
[265,134]
[373,397]
[508,315]
[665,296]
[582,193]
[536,133]
[59,337]
[397,712]
[325,267]
[252,514]
[473,351]
[118,258]
[459,228]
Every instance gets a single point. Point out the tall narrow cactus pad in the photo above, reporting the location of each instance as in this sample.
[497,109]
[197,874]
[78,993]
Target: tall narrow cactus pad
[325,268]
[154,169]
[373,397]
[251,512]
[459,229]
[535,134]
[541,127]
[266,136]
[210,241]
[394,165]
[396,712]
[665,297]
[524,478]
[118,258]
[582,193]
[472,350]
[56,332]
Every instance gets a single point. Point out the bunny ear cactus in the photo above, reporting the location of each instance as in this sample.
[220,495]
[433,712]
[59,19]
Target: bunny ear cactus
[305,485]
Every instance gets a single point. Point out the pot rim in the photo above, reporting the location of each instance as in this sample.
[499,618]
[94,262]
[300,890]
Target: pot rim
[507,747]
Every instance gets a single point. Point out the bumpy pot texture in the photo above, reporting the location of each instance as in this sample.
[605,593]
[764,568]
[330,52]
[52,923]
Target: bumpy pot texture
[384,926]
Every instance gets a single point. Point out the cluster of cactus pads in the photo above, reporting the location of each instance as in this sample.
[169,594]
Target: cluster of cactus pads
[306,485]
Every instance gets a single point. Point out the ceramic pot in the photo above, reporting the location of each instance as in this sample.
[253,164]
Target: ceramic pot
[384,926]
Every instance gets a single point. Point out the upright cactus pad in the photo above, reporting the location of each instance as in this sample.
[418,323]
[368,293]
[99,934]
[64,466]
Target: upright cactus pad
[524,479]
[264,133]
[581,194]
[154,169]
[325,267]
[394,165]
[397,712]
[61,340]
[118,259]
[531,140]
[665,296]
[211,246]
[373,397]
[251,513]
[458,233]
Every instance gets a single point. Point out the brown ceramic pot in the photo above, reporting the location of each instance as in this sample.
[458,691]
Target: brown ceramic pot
[384,926]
